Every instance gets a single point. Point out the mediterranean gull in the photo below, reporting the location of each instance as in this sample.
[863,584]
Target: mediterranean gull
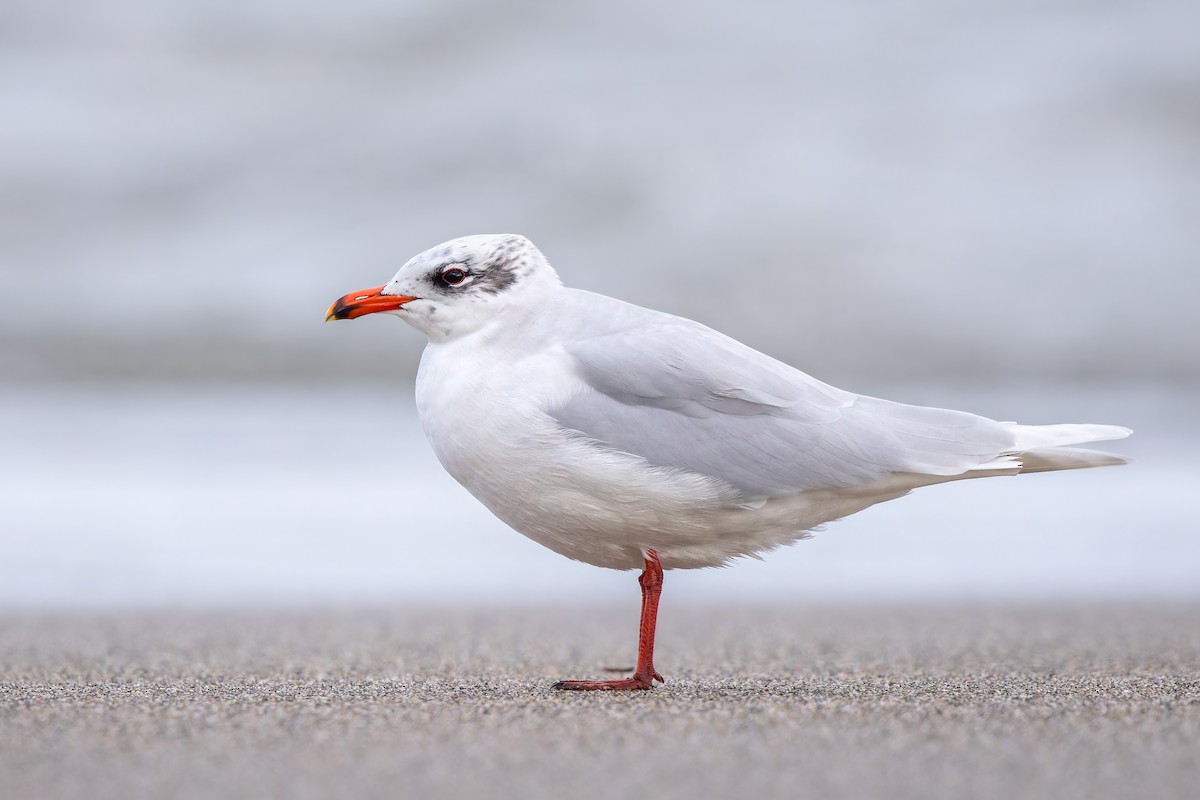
[629,438]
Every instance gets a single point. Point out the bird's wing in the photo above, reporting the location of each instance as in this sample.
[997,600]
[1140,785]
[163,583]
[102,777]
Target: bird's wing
[681,395]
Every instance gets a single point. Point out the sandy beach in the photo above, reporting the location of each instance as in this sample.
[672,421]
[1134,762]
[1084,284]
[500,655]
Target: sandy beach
[834,702]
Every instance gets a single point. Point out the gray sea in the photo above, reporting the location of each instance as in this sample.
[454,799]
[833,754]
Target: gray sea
[868,189]
[297,495]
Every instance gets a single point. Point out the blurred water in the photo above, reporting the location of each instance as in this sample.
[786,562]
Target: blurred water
[958,196]
[151,495]
[867,188]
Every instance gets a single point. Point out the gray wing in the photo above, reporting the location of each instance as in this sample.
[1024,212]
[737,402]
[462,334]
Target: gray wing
[684,396]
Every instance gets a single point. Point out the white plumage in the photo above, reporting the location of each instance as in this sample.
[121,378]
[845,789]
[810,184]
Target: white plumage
[603,430]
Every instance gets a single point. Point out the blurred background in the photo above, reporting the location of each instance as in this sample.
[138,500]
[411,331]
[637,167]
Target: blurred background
[990,206]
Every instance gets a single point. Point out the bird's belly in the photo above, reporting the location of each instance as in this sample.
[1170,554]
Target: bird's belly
[594,506]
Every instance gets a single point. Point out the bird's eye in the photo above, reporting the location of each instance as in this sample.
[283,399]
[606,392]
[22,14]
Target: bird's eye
[453,276]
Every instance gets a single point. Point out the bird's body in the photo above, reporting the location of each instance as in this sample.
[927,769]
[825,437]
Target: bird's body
[497,408]
[612,433]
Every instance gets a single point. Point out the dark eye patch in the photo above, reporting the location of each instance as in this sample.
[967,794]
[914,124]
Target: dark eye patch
[451,276]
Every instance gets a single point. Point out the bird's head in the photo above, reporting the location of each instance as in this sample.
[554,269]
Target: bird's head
[457,287]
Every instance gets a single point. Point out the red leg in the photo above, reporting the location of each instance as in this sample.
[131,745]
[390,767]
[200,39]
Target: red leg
[644,676]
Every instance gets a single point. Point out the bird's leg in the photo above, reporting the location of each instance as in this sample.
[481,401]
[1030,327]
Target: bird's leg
[644,676]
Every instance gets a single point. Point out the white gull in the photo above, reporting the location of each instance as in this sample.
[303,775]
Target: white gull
[629,438]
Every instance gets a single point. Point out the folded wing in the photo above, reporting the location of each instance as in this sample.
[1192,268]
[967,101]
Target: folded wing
[683,396]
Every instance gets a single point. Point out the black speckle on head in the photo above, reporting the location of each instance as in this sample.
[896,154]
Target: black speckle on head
[496,271]
[492,269]
[496,279]
[505,266]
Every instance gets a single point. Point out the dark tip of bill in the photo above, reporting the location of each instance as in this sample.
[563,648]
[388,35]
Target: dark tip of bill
[338,310]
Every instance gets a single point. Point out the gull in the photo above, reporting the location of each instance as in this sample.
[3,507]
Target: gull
[629,438]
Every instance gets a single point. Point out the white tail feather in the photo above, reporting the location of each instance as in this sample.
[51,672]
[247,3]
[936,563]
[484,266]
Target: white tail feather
[1031,437]
[1036,450]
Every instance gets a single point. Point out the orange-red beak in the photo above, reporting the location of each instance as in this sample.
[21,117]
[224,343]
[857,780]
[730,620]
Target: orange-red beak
[368,301]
